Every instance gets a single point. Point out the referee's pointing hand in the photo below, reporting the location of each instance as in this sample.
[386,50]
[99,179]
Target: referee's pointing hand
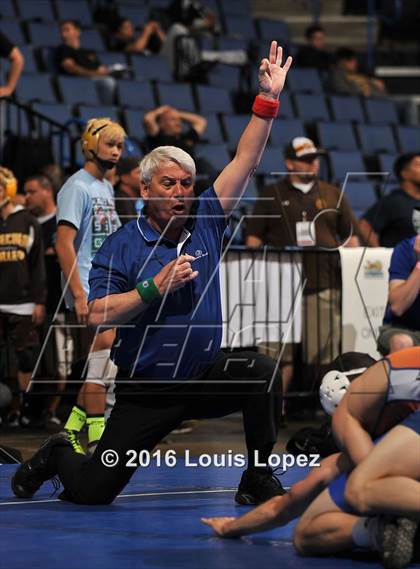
[175,274]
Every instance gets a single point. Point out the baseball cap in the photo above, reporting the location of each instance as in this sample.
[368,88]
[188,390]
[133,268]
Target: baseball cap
[127,165]
[302,148]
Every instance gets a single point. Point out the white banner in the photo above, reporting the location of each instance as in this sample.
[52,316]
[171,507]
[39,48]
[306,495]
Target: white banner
[261,298]
[365,292]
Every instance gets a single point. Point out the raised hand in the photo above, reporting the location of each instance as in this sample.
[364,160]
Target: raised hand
[271,74]
[175,274]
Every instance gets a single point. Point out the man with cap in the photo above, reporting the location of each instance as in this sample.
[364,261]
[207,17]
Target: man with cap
[302,210]
[127,193]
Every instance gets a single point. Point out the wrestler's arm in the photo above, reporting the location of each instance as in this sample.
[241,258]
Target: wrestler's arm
[280,510]
[233,180]
[358,412]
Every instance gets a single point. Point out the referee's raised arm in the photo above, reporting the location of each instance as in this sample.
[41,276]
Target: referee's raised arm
[233,180]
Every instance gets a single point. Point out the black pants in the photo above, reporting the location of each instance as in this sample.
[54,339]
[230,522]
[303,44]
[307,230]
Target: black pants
[141,418]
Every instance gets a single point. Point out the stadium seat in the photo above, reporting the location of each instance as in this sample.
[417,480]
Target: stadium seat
[222,75]
[92,39]
[216,154]
[57,112]
[137,94]
[213,99]
[346,164]
[302,80]
[8,9]
[87,112]
[16,121]
[408,138]
[137,14]
[112,58]
[213,133]
[381,111]
[361,195]
[77,90]
[336,136]
[347,108]
[60,114]
[286,109]
[35,87]
[386,165]
[31,65]
[271,161]
[240,26]
[234,127]
[273,30]
[35,10]
[376,138]
[226,43]
[134,124]
[311,108]
[236,8]
[67,9]
[43,34]
[176,95]
[284,130]
[13,31]
[48,59]
[154,67]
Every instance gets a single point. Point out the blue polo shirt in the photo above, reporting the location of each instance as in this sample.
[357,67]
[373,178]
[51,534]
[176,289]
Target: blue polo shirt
[179,336]
[402,264]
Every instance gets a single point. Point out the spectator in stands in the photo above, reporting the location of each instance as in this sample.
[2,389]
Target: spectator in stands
[17,62]
[348,80]
[40,201]
[72,59]
[298,202]
[389,220]
[22,289]
[165,127]
[149,41]
[315,53]
[401,325]
[127,195]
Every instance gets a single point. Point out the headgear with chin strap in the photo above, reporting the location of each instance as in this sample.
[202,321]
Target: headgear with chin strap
[90,138]
[9,182]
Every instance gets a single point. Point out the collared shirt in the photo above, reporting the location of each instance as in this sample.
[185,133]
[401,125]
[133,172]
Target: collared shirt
[179,336]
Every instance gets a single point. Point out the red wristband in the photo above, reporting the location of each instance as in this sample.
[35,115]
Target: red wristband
[265,108]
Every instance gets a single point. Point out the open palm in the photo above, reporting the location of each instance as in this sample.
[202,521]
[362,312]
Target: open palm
[271,74]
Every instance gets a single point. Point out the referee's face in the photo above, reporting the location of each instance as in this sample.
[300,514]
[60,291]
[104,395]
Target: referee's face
[169,195]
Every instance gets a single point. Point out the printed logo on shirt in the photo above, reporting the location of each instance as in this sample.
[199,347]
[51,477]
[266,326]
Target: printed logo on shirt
[104,221]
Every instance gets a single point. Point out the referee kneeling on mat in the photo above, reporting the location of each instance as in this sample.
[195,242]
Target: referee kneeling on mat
[156,281]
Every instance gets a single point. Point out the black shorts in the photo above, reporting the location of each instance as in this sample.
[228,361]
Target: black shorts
[19,331]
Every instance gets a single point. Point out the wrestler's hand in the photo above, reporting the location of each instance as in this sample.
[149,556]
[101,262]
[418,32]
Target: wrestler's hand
[175,274]
[220,526]
[81,309]
[271,75]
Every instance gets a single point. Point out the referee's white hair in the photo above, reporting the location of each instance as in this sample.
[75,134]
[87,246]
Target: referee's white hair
[161,154]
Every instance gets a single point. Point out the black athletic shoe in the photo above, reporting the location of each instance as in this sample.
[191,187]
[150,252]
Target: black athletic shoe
[30,475]
[258,486]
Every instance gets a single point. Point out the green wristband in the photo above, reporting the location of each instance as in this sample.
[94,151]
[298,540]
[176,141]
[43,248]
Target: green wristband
[148,291]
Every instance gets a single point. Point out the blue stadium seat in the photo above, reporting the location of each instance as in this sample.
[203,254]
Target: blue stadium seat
[8,9]
[222,75]
[69,9]
[336,136]
[43,34]
[347,108]
[241,26]
[31,65]
[216,154]
[343,163]
[381,111]
[154,67]
[284,130]
[135,94]
[386,165]
[112,58]
[77,90]
[137,14]
[92,39]
[271,161]
[12,29]
[214,99]
[236,8]
[376,138]
[57,112]
[35,87]
[61,114]
[361,195]
[35,10]
[311,108]
[213,133]
[177,95]
[87,113]
[302,80]
[234,127]
[226,43]
[251,192]
[48,59]
[16,121]
[286,109]
[408,138]
[134,124]
[132,148]
[273,30]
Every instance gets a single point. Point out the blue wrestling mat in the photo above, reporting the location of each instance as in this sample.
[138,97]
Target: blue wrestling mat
[154,524]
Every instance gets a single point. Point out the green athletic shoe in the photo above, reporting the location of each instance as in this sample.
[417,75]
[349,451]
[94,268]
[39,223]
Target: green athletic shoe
[73,437]
[398,542]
